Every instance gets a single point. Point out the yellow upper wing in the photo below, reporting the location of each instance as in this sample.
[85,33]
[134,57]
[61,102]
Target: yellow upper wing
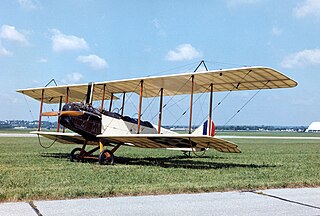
[246,78]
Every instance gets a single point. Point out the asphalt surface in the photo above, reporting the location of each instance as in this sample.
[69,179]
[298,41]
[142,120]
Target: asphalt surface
[222,137]
[268,137]
[17,135]
[302,201]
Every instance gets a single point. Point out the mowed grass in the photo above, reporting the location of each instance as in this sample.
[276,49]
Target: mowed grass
[29,172]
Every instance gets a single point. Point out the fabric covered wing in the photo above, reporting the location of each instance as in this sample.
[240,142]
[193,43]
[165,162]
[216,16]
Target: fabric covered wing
[246,78]
[77,93]
[148,140]
[65,138]
[173,141]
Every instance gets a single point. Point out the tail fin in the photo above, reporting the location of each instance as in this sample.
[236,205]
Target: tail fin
[204,129]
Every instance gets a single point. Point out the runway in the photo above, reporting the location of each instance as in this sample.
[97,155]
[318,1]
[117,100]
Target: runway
[302,201]
[17,135]
[269,137]
[222,137]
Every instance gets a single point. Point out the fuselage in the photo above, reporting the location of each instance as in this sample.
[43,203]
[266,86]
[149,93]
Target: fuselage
[94,122]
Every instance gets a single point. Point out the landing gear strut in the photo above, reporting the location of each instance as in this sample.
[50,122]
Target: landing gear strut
[194,151]
[106,157]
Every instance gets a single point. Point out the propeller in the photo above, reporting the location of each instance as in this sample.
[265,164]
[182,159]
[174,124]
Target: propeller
[50,113]
[63,113]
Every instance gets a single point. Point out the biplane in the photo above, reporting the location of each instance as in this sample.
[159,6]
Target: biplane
[109,130]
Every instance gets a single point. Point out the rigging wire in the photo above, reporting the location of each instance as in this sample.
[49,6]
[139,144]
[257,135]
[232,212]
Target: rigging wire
[234,87]
[226,63]
[189,107]
[125,102]
[234,115]
[227,95]
[151,102]
[165,107]
[171,98]
[245,104]
[200,112]
[30,111]
[175,103]
[172,69]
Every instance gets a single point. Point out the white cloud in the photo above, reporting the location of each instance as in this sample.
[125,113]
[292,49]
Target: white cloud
[5,52]
[93,61]
[62,42]
[156,23]
[27,4]
[10,33]
[309,7]
[276,31]
[73,77]
[302,58]
[183,52]
[8,98]
[235,3]
[43,60]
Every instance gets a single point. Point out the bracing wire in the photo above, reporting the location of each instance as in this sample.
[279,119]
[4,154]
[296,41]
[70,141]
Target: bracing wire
[189,108]
[234,87]
[171,98]
[175,103]
[30,111]
[200,112]
[226,63]
[149,104]
[245,104]
[145,109]
[175,68]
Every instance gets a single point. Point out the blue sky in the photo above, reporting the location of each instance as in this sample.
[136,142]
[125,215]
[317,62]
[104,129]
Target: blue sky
[83,41]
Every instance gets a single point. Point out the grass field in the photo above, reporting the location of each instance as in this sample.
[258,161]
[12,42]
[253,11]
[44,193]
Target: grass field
[29,172]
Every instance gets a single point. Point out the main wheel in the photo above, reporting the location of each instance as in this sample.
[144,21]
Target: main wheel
[75,155]
[106,157]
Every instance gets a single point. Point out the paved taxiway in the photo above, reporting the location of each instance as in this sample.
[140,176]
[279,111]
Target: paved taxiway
[269,137]
[222,137]
[302,201]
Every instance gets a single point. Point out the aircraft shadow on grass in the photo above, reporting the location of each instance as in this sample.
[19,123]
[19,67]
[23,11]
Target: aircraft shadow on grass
[169,162]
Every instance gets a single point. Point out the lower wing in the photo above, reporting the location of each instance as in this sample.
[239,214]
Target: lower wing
[65,138]
[173,141]
[148,140]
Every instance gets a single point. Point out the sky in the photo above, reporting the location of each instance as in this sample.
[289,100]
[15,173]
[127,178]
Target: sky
[81,41]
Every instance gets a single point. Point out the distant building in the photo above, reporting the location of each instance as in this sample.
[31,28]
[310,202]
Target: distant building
[20,128]
[314,127]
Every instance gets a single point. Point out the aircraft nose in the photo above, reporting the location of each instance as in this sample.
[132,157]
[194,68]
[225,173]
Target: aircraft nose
[67,107]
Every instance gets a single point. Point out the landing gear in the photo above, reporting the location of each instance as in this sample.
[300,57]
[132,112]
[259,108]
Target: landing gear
[194,151]
[75,155]
[106,157]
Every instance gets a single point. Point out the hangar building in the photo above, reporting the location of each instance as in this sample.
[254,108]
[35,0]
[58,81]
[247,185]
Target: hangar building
[314,127]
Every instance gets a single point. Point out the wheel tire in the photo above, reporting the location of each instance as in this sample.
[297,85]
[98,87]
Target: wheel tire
[106,157]
[75,155]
